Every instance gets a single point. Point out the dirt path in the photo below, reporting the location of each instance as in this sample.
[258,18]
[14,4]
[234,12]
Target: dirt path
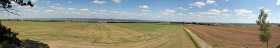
[197,40]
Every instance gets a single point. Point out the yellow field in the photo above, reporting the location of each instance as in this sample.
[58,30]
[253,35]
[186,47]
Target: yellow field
[103,35]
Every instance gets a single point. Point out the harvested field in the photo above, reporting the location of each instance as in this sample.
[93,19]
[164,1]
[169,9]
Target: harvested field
[103,35]
[233,36]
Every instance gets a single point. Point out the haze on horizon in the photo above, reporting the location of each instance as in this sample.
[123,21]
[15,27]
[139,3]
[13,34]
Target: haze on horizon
[229,11]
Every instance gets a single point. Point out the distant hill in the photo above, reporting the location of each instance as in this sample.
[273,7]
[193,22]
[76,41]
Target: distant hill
[95,20]
[80,20]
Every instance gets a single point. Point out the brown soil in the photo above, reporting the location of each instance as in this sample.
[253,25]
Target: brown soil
[234,36]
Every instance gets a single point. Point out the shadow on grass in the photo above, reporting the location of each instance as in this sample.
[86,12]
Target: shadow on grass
[34,44]
[9,39]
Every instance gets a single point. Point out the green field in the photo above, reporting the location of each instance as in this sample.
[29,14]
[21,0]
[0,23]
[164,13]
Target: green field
[103,35]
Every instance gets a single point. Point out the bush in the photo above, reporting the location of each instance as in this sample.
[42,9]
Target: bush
[8,39]
[33,44]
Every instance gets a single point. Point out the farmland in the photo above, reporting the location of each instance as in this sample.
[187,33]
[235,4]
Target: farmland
[233,36]
[102,35]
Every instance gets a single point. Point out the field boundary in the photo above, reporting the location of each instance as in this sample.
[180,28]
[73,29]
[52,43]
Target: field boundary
[199,43]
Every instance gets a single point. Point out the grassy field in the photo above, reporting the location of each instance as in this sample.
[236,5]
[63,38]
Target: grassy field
[103,35]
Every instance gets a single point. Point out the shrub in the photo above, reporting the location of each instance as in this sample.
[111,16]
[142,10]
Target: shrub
[265,34]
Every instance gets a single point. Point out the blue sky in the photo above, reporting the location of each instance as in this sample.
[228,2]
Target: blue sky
[229,11]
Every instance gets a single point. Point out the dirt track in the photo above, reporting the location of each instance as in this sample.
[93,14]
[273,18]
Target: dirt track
[234,37]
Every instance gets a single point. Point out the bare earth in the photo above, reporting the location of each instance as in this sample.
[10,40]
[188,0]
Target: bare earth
[234,37]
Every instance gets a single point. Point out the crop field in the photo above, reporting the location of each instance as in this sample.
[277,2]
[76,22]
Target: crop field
[234,36]
[103,35]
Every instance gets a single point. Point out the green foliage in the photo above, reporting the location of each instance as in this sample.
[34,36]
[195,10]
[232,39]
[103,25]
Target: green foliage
[265,34]
[8,39]
[7,5]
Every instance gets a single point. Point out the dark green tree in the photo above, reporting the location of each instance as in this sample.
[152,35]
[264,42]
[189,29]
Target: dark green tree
[7,6]
[8,39]
[264,29]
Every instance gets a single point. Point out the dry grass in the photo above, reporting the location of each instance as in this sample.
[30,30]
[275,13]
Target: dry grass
[102,35]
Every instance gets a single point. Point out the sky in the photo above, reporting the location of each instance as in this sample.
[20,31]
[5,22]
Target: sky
[226,11]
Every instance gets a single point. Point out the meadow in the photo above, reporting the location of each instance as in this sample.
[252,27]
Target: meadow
[103,35]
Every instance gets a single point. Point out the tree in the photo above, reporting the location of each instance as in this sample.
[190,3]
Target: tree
[7,5]
[8,39]
[264,29]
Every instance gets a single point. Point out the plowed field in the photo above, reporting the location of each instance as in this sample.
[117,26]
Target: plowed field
[233,36]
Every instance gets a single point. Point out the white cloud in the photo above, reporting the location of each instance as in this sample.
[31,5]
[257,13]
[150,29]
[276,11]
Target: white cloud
[72,12]
[210,1]
[243,12]
[168,12]
[69,2]
[71,8]
[268,11]
[227,0]
[182,8]
[49,10]
[144,8]
[98,1]
[265,9]
[278,2]
[199,15]
[217,11]
[198,4]
[33,1]
[84,9]
[116,1]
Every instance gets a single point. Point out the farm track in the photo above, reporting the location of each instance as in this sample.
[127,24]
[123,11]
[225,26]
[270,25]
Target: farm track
[198,42]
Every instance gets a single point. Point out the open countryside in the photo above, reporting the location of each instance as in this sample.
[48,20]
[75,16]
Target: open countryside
[103,35]
[139,24]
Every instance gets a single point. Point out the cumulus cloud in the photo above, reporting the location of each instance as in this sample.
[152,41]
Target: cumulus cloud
[98,1]
[63,11]
[168,12]
[84,9]
[182,8]
[227,0]
[243,12]
[71,8]
[217,11]
[33,1]
[268,11]
[211,13]
[69,2]
[210,1]
[49,10]
[116,1]
[278,2]
[199,15]
[198,4]
[144,8]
